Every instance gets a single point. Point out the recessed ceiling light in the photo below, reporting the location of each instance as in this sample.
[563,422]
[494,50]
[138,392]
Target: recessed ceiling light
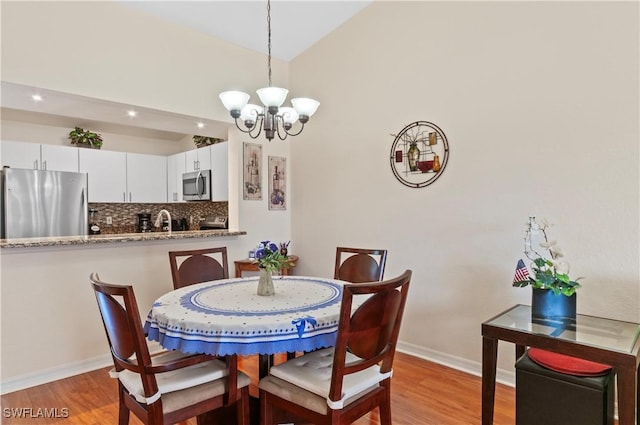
[200,124]
[37,98]
[132,113]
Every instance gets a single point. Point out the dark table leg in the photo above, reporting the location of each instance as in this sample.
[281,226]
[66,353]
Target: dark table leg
[520,349]
[489,355]
[627,395]
[265,361]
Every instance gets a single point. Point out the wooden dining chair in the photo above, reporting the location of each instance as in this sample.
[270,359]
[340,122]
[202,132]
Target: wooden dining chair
[358,265]
[196,266]
[169,387]
[339,385]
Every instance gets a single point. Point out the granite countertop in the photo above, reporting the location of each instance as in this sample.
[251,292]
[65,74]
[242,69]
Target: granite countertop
[117,238]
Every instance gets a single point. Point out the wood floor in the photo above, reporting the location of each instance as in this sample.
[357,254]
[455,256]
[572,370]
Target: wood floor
[423,393]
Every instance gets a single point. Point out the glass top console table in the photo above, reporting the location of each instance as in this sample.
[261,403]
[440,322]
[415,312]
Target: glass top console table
[607,341]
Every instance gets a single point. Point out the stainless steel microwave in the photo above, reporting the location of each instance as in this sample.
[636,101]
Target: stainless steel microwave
[196,186]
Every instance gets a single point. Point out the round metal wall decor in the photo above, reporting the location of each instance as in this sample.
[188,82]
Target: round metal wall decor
[419,154]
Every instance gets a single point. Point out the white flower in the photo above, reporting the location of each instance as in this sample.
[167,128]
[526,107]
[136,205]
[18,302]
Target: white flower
[561,267]
[548,245]
[543,223]
[556,251]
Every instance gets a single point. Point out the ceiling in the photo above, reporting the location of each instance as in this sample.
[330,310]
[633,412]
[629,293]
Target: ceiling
[295,26]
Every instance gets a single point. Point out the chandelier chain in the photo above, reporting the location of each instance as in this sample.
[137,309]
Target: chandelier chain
[269,38]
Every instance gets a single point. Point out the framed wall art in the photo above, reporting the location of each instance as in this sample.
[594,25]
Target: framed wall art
[252,171]
[277,183]
[419,154]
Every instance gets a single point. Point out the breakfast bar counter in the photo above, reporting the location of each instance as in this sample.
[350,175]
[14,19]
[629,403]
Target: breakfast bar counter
[115,238]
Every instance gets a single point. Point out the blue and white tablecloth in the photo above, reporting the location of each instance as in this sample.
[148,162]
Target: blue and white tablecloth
[228,317]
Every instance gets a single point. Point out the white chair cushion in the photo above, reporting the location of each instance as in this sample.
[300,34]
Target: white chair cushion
[312,372]
[174,380]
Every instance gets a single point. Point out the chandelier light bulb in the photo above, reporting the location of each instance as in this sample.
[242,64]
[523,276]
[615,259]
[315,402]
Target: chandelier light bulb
[249,114]
[234,101]
[272,96]
[305,107]
[289,116]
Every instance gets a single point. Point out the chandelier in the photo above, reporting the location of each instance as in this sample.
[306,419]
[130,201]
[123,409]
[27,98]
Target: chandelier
[275,118]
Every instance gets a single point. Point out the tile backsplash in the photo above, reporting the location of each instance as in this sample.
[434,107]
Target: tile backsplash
[125,216]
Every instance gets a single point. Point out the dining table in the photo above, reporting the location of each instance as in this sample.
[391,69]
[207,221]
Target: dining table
[225,317]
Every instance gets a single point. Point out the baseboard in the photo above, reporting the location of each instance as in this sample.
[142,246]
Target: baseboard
[83,366]
[464,365]
[48,375]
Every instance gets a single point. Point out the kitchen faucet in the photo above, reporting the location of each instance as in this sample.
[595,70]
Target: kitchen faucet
[158,222]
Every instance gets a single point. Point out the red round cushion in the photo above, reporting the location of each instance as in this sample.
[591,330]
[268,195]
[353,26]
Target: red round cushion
[567,364]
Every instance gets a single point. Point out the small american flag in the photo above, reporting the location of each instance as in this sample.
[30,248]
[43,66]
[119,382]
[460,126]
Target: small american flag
[522,274]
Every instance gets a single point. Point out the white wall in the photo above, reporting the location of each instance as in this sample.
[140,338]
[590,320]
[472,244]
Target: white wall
[539,102]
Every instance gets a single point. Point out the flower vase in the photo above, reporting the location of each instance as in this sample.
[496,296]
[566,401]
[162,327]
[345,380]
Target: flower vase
[265,283]
[413,154]
[547,305]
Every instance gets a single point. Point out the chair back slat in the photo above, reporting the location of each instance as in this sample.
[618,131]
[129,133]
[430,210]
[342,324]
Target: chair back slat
[372,324]
[198,266]
[121,318]
[357,265]
[114,317]
[371,331]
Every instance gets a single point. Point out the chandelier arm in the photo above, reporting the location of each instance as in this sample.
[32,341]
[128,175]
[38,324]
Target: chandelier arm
[278,131]
[259,127]
[250,131]
[295,134]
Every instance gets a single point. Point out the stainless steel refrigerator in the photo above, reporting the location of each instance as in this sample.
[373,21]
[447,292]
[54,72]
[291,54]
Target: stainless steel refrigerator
[39,203]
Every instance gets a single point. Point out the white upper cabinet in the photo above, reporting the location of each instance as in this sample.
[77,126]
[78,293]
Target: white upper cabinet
[146,178]
[198,159]
[220,171]
[124,177]
[107,174]
[20,155]
[176,166]
[39,157]
[59,158]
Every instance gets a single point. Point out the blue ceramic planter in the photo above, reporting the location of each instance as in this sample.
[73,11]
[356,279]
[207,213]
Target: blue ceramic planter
[547,305]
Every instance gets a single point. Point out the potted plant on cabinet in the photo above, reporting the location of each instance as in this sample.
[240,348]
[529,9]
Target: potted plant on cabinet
[553,291]
[85,138]
[202,141]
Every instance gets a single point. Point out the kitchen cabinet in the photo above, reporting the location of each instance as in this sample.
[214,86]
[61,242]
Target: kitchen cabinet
[176,166]
[124,177]
[107,174]
[220,171]
[146,178]
[198,159]
[39,156]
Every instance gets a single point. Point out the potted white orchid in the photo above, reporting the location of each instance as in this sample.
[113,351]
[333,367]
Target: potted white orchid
[550,282]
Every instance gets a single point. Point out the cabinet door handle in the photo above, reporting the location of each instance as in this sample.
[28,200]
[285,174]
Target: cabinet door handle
[44,165]
[124,197]
[35,164]
[129,196]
